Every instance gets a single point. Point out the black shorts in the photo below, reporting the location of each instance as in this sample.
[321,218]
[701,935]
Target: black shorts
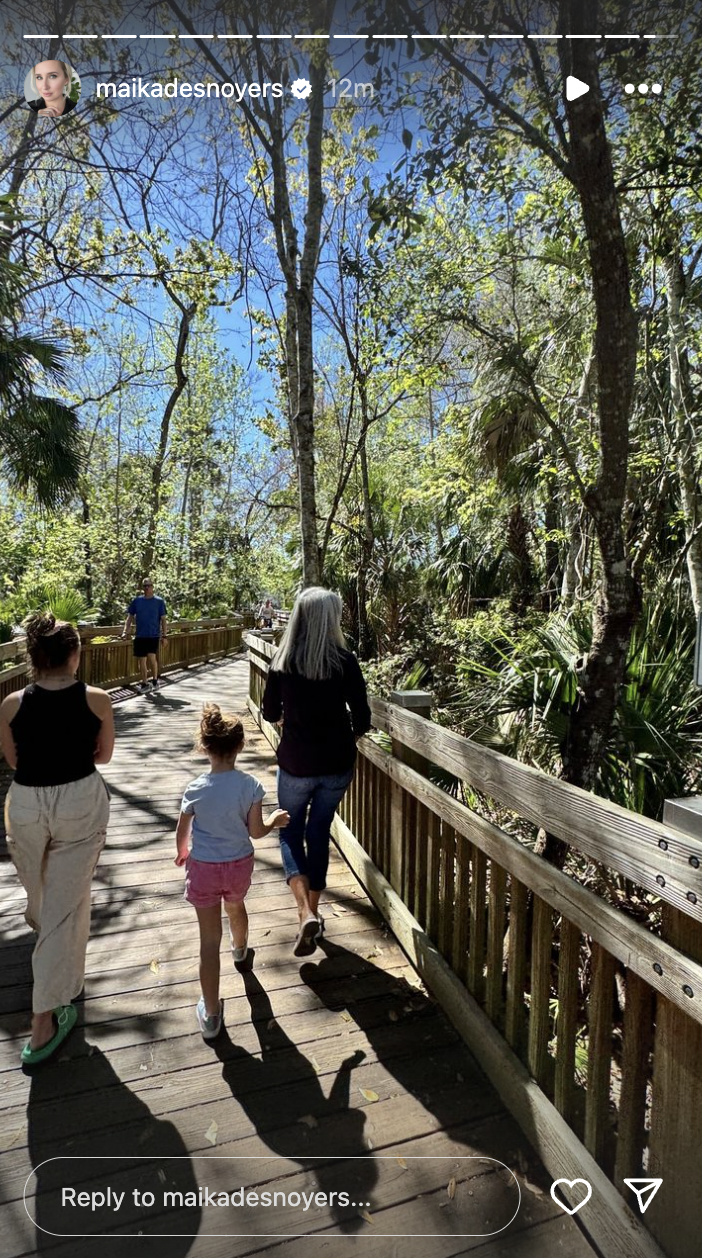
[145,646]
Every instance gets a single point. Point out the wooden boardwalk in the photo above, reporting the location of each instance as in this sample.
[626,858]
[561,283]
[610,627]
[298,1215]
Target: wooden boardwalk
[341,1056]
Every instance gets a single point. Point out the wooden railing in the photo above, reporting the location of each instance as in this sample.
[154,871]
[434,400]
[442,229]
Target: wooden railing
[588,1023]
[111,663]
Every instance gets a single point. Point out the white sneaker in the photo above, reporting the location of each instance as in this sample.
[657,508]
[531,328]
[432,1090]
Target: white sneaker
[239,954]
[210,1024]
[320,919]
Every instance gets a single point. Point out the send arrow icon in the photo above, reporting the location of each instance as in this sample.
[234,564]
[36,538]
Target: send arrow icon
[575,87]
[645,1190]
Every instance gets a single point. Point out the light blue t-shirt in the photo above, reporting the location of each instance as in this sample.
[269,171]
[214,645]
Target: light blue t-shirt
[220,804]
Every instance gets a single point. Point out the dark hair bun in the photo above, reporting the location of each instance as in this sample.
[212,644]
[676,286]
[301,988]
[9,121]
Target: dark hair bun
[39,626]
[50,642]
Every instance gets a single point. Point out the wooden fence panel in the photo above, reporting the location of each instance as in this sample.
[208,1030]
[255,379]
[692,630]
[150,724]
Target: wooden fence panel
[515,1009]
[461,910]
[635,1078]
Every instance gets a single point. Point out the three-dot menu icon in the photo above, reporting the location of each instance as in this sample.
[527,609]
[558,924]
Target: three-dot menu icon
[643,88]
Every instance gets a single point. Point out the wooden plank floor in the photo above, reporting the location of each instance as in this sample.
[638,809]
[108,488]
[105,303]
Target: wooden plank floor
[342,1056]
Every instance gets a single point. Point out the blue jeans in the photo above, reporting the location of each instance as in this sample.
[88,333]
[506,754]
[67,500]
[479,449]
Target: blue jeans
[304,843]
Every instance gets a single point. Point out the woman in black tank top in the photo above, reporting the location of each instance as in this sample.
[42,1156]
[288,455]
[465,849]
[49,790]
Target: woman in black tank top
[53,734]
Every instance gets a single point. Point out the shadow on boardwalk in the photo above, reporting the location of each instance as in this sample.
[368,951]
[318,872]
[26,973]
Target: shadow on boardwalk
[158,1141]
[254,1080]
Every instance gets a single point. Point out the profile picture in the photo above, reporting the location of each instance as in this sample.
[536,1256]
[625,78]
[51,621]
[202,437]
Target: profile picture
[52,89]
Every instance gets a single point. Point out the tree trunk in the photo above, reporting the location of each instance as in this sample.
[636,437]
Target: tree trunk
[685,443]
[186,315]
[571,585]
[304,420]
[366,643]
[552,572]
[618,601]
[87,552]
[303,424]
[269,127]
[518,546]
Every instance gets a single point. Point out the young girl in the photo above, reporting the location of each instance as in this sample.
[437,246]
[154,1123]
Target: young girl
[220,810]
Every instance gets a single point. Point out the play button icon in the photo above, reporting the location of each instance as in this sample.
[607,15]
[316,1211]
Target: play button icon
[575,87]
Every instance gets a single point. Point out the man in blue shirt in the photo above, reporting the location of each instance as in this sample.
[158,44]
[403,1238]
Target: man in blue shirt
[149,612]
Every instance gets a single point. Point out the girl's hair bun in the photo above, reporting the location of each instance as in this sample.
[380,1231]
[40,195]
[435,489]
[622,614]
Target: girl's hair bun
[220,732]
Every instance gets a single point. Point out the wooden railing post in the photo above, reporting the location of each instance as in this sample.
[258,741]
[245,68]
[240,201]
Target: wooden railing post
[419,702]
[675,1145]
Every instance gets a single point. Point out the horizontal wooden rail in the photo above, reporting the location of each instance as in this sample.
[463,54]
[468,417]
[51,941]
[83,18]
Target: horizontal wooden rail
[88,632]
[664,861]
[14,650]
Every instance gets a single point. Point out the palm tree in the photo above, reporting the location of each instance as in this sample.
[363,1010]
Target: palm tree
[40,440]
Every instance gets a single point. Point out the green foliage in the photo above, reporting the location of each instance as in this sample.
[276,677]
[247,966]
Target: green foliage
[62,601]
[520,697]
[40,441]
[394,673]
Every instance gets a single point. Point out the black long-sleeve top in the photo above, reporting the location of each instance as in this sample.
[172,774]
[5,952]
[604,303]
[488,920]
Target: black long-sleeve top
[321,719]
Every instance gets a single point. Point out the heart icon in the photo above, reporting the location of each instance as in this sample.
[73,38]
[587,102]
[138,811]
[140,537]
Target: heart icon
[571,1184]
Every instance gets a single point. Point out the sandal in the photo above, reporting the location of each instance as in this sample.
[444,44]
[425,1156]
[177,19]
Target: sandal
[65,1017]
[306,941]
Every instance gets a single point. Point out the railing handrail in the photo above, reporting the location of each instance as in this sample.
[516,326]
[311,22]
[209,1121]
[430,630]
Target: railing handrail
[655,856]
[627,940]
[87,632]
[649,853]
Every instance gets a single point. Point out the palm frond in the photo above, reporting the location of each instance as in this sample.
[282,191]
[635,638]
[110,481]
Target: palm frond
[41,449]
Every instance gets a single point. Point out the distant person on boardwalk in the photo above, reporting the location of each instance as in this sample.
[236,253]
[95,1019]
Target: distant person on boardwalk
[53,733]
[149,612]
[266,612]
[220,814]
[316,686]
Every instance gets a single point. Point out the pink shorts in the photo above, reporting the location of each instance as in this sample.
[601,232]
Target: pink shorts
[207,883]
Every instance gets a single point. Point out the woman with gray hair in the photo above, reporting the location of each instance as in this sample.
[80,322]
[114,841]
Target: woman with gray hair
[316,686]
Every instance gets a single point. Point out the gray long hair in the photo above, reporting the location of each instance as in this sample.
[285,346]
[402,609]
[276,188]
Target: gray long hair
[313,639]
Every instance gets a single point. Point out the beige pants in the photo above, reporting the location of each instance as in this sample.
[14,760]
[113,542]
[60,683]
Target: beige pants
[55,835]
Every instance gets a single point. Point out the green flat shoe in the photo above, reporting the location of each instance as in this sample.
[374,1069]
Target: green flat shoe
[65,1017]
